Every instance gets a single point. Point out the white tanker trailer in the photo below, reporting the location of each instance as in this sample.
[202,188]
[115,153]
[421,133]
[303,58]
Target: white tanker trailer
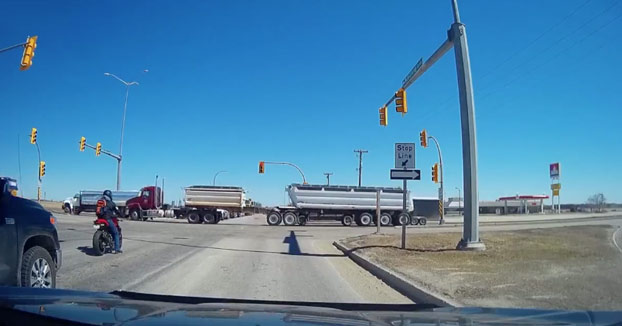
[347,204]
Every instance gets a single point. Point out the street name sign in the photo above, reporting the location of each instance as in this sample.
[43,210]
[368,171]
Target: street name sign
[401,174]
[405,155]
[413,71]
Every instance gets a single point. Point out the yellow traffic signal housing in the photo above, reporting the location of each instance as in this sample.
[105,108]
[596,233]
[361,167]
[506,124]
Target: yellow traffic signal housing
[400,101]
[384,117]
[41,168]
[423,136]
[33,136]
[98,149]
[435,172]
[261,167]
[82,144]
[29,52]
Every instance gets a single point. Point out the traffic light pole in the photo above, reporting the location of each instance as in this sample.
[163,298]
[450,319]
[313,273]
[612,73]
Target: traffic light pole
[38,172]
[470,233]
[115,156]
[441,194]
[457,39]
[12,47]
[304,180]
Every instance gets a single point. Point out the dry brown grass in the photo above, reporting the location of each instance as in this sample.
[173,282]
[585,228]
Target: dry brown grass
[569,267]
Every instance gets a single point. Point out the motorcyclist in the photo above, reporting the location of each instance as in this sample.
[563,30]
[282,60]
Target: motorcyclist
[109,211]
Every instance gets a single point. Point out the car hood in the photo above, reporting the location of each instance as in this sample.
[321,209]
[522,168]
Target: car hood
[128,308]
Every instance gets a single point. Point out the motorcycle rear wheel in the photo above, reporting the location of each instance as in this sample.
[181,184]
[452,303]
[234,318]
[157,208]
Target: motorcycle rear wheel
[101,242]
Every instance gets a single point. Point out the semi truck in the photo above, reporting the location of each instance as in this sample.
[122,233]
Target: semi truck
[201,204]
[86,201]
[348,204]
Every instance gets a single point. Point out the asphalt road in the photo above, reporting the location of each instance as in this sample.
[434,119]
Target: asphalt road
[238,258]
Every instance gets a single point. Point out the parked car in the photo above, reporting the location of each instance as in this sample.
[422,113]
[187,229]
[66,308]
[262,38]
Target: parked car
[30,253]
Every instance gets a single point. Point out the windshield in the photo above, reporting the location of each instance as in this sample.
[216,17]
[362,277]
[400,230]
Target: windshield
[450,152]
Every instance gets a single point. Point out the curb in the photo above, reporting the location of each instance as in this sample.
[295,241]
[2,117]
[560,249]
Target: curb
[400,284]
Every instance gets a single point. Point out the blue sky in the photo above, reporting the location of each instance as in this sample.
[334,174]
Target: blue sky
[231,83]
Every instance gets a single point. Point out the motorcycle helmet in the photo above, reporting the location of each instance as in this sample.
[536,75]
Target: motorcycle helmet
[108,194]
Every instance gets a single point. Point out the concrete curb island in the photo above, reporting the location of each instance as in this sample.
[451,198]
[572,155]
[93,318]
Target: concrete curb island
[397,282]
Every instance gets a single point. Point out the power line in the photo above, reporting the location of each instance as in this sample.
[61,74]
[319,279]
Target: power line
[550,46]
[552,27]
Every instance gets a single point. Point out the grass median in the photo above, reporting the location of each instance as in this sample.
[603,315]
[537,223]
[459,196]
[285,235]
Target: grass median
[561,268]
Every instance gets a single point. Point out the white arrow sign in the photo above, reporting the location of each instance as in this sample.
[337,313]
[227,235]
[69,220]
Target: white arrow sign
[401,174]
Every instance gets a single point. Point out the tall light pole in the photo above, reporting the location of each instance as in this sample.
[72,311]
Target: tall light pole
[441,191]
[459,202]
[360,152]
[127,93]
[328,174]
[215,175]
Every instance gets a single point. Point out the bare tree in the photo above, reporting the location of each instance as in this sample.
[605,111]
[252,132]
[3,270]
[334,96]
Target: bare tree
[597,202]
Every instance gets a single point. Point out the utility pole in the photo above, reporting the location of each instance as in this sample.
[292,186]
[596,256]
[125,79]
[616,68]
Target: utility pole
[360,152]
[328,174]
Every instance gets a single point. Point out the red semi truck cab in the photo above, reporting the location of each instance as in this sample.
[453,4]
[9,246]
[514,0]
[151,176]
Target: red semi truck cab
[149,199]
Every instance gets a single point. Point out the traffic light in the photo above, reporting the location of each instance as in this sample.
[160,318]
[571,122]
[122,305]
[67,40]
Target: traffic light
[29,52]
[98,149]
[82,144]
[33,136]
[384,117]
[41,168]
[435,172]
[423,136]
[400,101]
[261,166]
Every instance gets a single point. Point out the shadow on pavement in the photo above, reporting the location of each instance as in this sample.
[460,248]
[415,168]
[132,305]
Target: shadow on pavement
[87,250]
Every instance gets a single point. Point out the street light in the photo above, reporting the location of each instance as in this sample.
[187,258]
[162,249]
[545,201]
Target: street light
[459,202]
[217,173]
[127,92]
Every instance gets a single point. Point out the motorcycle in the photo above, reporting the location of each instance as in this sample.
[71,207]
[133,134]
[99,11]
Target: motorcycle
[103,241]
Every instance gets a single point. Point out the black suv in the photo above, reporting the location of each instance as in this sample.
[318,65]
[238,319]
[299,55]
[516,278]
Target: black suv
[30,252]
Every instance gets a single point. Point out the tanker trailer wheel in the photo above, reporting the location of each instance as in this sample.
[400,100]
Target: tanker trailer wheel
[290,218]
[385,219]
[423,221]
[194,218]
[414,220]
[274,218]
[366,219]
[302,219]
[402,219]
[347,220]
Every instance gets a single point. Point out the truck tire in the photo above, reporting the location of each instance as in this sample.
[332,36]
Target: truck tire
[76,211]
[347,220]
[302,220]
[67,209]
[290,218]
[366,219]
[385,219]
[274,218]
[194,218]
[209,218]
[134,214]
[423,221]
[402,218]
[414,220]
[38,269]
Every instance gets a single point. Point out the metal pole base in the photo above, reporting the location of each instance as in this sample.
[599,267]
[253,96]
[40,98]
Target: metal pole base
[471,246]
